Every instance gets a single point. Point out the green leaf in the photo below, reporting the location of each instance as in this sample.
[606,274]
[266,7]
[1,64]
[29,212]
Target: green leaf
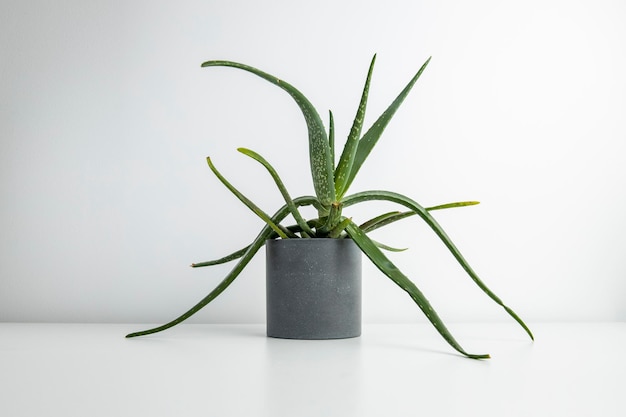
[387,247]
[390,270]
[286,231]
[234,273]
[349,151]
[322,169]
[332,220]
[370,138]
[453,205]
[331,137]
[251,250]
[434,225]
[394,216]
[281,186]
[374,223]
[336,232]
[311,223]
[235,255]
[247,201]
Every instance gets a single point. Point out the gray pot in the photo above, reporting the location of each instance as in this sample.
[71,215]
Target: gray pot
[313,288]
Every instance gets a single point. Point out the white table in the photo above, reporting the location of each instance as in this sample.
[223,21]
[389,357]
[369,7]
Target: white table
[90,370]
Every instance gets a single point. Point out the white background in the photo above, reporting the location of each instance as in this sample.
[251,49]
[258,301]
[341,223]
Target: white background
[106,119]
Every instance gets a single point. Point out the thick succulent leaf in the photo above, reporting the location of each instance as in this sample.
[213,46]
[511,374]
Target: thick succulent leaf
[434,225]
[245,200]
[370,138]
[281,187]
[336,232]
[387,247]
[234,273]
[251,250]
[322,169]
[287,232]
[331,137]
[374,222]
[349,151]
[311,223]
[300,201]
[332,220]
[235,255]
[394,216]
[370,249]
[453,205]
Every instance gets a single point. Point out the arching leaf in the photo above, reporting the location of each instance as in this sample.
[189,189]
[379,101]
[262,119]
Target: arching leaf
[434,225]
[322,169]
[251,250]
[390,270]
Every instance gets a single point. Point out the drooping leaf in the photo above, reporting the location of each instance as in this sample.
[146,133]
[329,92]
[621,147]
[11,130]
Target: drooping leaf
[434,225]
[251,250]
[322,169]
[349,151]
[235,255]
[383,263]
[281,187]
[234,273]
[370,138]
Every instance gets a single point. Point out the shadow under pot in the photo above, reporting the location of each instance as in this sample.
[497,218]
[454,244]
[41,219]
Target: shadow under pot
[313,288]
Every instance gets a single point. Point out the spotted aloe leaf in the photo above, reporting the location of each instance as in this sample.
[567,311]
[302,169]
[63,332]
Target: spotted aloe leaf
[322,169]
[394,216]
[434,225]
[369,248]
[380,220]
[249,253]
[331,137]
[330,185]
[369,139]
[352,143]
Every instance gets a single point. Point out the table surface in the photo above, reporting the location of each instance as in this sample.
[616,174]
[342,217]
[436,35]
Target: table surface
[572,369]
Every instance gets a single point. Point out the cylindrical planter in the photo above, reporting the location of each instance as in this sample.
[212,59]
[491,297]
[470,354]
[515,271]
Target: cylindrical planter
[313,288]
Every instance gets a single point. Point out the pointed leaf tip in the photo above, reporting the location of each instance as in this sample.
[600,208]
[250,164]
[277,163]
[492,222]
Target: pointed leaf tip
[370,138]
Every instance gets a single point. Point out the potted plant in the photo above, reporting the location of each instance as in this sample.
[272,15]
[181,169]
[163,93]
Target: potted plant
[331,181]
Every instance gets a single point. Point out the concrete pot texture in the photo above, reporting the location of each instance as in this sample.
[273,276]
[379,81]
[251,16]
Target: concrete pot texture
[313,288]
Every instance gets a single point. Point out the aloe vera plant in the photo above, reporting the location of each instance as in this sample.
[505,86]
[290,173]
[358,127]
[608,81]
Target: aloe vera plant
[331,181]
